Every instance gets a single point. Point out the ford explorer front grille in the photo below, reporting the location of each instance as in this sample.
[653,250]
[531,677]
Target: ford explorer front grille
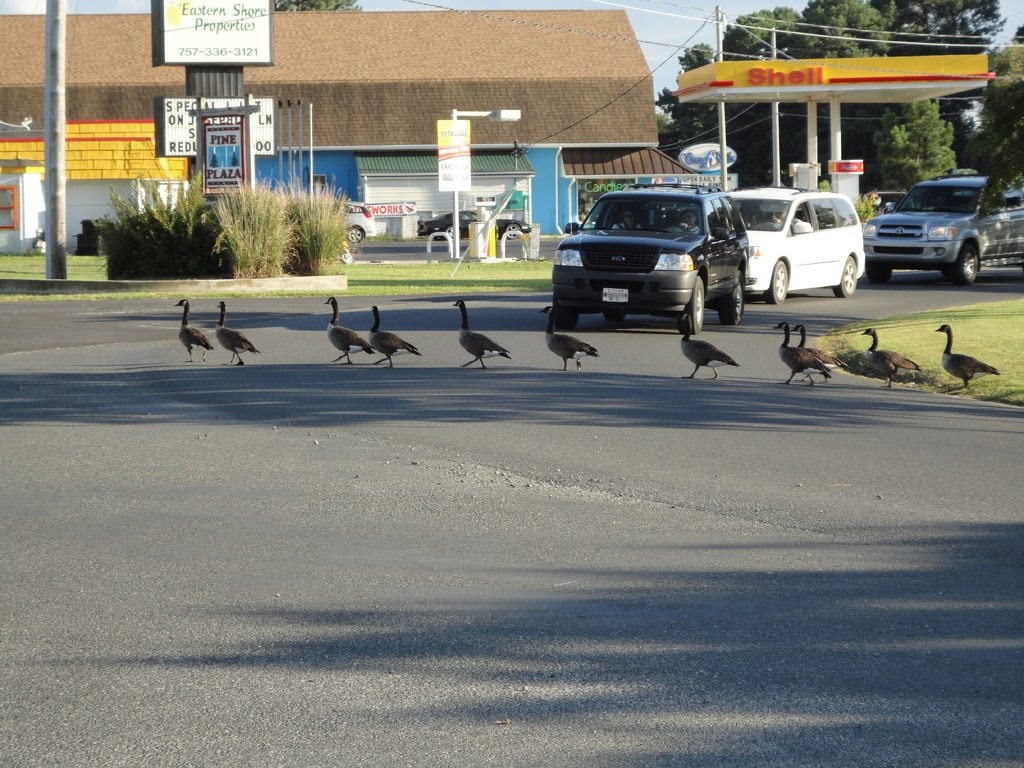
[619,261]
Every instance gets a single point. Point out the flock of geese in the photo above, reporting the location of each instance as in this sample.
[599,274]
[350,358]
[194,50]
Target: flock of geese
[801,360]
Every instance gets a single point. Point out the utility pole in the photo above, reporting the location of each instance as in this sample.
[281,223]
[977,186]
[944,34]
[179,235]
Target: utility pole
[722,150]
[55,150]
[776,157]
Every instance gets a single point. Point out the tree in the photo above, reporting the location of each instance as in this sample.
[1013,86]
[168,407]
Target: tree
[316,5]
[915,149]
[998,147]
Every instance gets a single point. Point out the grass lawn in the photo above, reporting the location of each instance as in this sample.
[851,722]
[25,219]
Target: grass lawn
[363,279]
[992,332]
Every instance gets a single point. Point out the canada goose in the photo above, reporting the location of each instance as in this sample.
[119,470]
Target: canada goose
[232,340]
[477,344]
[191,337]
[961,366]
[344,339]
[565,346]
[799,359]
[830,362]
[885,361]
[388,344]
[703,353]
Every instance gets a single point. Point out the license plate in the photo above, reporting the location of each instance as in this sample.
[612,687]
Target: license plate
[615,294]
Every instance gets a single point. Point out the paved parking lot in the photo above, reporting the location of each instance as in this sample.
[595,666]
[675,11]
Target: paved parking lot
[299,563]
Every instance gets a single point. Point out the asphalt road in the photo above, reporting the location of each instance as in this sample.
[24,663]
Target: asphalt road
[302,563]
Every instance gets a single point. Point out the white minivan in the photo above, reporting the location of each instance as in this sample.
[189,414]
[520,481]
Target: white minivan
[800,240]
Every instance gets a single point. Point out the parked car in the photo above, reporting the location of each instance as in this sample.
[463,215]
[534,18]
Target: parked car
[443,223]
[801,240]
[662,250]
[361,223]
[938,225]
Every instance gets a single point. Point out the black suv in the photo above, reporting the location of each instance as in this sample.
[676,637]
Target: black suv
[662,250]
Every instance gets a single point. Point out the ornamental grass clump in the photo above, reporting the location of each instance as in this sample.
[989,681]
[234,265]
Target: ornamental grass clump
[255,231]
[319,223]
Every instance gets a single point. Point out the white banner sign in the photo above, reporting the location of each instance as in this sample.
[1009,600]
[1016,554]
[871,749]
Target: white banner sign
[454,165]
[392,209]
[176,125]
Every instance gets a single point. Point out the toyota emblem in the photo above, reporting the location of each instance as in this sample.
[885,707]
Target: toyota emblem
[899,230]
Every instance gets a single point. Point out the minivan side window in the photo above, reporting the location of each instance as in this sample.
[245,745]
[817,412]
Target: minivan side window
[847,214]
[825,214]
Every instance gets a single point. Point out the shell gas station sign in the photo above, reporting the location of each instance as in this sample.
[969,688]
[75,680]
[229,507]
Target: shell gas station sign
[867,80]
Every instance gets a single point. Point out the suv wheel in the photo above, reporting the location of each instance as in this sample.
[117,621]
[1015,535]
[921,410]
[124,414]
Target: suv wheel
[513,231]
[356,234]
[730,308]
[848,280]
[878,273]
[692,320]
[565,319]
[776,294]
[965,270]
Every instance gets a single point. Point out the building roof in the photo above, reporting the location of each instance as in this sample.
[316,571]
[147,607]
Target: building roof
[603,163]
[425,164]
[376,79]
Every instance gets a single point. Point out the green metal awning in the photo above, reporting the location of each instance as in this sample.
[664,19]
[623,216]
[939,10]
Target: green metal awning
[425,164]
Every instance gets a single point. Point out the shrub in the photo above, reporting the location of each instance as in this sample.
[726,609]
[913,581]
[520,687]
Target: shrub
[319,223]
[161,237]
[254,231]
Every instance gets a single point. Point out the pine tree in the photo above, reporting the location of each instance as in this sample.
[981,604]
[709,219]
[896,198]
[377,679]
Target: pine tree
[915,145]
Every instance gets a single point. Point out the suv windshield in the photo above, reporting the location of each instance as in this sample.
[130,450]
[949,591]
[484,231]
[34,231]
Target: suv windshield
[926,198]
[651,214]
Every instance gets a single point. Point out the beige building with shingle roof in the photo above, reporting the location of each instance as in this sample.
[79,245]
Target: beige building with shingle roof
[378,82]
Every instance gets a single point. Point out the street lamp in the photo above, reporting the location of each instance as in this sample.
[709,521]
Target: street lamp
[497,115]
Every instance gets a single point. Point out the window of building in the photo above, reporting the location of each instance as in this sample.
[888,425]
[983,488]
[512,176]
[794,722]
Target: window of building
[8,208]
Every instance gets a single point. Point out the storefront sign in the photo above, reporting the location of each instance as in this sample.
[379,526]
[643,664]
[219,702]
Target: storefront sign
[706,157]
[387,210]
[217,32]
[454,165]
[224,158]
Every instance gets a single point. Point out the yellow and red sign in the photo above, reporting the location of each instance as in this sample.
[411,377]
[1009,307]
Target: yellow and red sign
[454,164]
[897,78]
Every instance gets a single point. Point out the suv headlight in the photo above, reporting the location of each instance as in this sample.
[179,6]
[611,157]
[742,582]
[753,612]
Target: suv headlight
[943,232]
[568,257]
[870,230]
[674,262]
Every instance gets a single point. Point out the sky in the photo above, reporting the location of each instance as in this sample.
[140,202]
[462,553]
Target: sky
[661,26]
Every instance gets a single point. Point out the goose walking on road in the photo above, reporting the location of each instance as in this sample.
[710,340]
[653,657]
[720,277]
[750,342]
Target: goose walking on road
[477,344]
[388,344]
[829,362]
[189,336]
[565,346]
[800,359]
[962,367]
[344,339]
[885,361]
[704,354]
[232,340]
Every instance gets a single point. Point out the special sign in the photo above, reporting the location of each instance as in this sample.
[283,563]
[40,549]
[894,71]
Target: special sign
[454,164]
[176,124]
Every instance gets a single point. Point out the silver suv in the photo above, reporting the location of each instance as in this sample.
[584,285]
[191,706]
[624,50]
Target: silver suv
[937,226]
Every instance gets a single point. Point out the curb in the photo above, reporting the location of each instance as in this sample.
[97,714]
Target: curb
[318,284]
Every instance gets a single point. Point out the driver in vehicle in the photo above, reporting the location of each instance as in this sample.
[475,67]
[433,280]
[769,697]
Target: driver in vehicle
[628,220]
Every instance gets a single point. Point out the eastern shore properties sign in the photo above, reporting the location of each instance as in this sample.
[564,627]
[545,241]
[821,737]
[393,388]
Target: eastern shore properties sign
[212,32]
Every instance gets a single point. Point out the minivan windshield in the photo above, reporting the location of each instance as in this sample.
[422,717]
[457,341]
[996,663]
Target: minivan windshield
[926,198]
[649,214]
